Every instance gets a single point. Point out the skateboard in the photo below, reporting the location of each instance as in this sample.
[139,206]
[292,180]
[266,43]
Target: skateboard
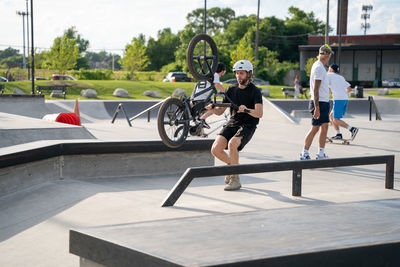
[343,141]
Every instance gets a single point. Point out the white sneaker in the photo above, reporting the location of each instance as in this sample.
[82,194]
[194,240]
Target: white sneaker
[304,156]
[324,156]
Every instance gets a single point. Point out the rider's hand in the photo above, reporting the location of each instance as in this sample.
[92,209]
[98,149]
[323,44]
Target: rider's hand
[209,107]
[242,108]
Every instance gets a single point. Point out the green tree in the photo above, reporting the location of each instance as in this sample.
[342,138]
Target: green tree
[83,45]
[10,58]
[309,64]
[243,51]
[297,15]
[237,28]
[102,60]
[162,51]
[63,54]
[180,54]
[8,52]
[217,19]
[272,69]
[134,58]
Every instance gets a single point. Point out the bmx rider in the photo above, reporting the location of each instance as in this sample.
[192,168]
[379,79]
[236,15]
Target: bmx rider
[242,123]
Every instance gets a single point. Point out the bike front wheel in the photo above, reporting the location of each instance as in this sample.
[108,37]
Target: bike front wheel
[202,57]
[173,123]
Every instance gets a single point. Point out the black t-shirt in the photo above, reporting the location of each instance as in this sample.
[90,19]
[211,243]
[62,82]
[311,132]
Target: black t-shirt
[248,96]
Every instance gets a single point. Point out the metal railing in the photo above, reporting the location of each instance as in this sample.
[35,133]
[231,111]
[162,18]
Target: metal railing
[148,110]
[372,104]
[295,166]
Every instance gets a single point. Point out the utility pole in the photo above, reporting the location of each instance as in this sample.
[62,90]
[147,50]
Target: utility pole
[340,29]
[205,17]
[365,16]
[256,45]
[112,63]
[327,23]
[23,14]
[32,52]
[27,38]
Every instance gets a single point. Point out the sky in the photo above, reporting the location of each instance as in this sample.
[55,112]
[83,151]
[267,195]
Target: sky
[111,24]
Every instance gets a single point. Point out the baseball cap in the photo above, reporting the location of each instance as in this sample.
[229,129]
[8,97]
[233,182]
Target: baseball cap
[325,50]
[335,68]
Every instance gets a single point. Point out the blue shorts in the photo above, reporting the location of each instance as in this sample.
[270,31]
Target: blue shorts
[339,108]
[323,113]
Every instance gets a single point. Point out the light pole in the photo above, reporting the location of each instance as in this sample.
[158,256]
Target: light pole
[23,14]
[256,45]
[327,23]
[32,52]
[340,30]
[365,16]
[205,17]
[27,38]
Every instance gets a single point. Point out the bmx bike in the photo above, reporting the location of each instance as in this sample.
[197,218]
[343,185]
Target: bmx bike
[179,117]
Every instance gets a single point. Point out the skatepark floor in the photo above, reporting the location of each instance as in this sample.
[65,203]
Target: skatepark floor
[35,223]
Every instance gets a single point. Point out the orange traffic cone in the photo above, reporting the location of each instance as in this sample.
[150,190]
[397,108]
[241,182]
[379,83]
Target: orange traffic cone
[76,110]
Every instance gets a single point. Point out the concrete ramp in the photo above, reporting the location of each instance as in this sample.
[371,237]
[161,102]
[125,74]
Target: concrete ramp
[388,105]
[274,113]
[32,106]
[15,129]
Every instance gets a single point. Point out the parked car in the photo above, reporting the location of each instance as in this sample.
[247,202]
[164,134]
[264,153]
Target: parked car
[40,78]
[231,81]
[177,77]
[256,81]
[3,79]
[62,77]
[394,82]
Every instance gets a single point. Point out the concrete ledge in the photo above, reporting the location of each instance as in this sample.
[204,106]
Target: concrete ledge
[24,168]
[8,97]
[306,236]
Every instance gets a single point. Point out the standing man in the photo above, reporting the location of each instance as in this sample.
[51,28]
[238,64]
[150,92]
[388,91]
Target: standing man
[242,123]
[339,88]
[319,104]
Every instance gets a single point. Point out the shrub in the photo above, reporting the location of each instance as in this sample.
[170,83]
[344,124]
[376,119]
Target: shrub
[93,74]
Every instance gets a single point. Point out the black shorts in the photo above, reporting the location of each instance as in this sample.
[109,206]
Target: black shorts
[323,113]
[246,132]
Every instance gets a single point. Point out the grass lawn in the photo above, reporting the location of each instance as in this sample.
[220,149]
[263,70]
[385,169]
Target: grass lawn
[392,93]
[105,89]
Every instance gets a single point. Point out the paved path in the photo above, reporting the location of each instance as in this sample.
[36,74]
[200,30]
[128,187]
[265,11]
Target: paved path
[35,223]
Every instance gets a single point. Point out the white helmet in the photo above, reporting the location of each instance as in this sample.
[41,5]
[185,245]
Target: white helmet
[243,65]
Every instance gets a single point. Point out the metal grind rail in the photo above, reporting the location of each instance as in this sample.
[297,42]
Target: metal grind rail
[295,166]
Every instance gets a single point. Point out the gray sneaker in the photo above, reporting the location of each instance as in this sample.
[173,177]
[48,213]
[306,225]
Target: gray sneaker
[234,183]
[227,179]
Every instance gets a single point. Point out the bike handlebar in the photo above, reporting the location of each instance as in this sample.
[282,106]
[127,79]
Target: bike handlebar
[229,105]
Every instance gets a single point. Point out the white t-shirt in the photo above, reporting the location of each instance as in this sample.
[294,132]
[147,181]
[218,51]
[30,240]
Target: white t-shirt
[318,72]
[203,86]
[338,86]
[216,78]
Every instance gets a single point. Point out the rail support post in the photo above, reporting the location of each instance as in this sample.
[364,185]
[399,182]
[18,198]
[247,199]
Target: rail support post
[389,180]
[296,182]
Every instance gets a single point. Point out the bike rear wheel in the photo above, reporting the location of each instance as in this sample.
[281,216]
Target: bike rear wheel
[173,123]
[202,57]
